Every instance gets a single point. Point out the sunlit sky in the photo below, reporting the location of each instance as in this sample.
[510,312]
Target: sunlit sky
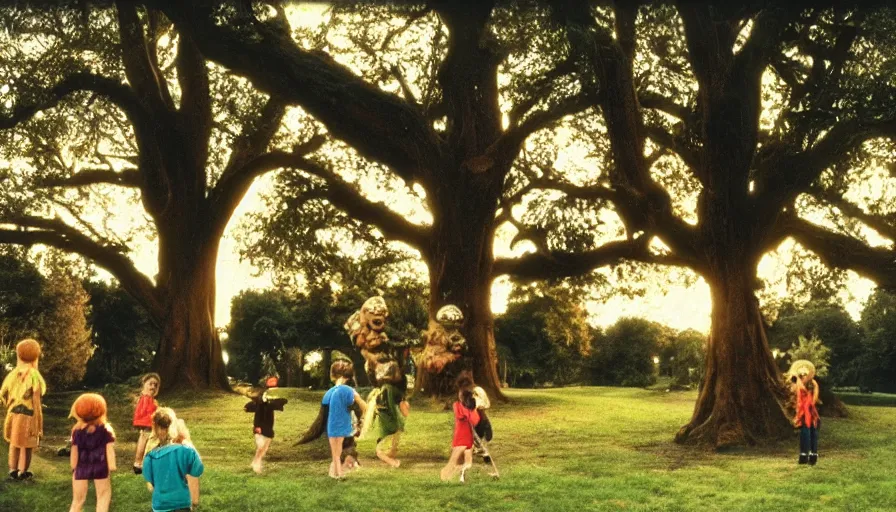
[678,306]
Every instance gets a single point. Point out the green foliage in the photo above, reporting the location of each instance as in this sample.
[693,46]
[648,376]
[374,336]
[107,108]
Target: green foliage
[270,330]
[124,337]
[683,358]
[63,330]
[51,308]
[877,364]
[828,322]
[811,349]
[624,355]
[543,338]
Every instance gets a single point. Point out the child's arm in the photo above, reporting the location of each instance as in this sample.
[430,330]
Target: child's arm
[110,456]
[405,408]
[38,411]
[360,401]
[193,484]
[815,391]
[73,458]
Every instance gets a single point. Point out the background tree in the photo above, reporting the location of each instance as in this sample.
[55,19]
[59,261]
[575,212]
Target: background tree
[746,165]
[124,337]
[62,330]
[544,337]
[119,106]
[624,355]
[876,366]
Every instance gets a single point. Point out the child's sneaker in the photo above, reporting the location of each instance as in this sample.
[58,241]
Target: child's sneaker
[138,470]
[804,458]
[26,476]
[13,475]
[813,458]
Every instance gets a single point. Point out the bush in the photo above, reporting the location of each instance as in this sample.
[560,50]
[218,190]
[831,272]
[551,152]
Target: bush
[624,355]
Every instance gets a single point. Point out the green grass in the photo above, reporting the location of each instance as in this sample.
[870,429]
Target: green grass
[558,449]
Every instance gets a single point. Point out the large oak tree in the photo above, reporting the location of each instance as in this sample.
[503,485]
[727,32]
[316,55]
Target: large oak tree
[118,101]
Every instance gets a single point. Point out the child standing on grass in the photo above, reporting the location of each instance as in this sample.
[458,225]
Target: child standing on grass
[263,423]
[93,452]
[22,390]
[146,406]
[465,420]
[484,427]
[172,469]
[340,399]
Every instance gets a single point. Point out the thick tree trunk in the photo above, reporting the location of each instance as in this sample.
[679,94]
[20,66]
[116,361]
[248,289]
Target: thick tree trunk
[189,354]
[742,399]
[460,273]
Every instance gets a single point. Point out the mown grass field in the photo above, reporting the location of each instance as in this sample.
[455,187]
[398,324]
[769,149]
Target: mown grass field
[557,449]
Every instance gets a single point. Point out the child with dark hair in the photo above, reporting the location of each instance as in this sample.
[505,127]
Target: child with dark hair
[484,427]
[263,423]
[340,399]
[465,420]
[92,452]
[388,408]
[146,406]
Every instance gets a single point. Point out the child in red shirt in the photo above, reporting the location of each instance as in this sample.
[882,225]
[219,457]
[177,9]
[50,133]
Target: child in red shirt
[466,417]
[146,406]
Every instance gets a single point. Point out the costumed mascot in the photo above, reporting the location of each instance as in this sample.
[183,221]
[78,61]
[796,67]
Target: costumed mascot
[801,379]
[443,344]
[366,329]
[388,408]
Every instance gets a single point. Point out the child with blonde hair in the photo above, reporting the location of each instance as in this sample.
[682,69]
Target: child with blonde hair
[21,391]
[146,406]
[172,469]
[93,452]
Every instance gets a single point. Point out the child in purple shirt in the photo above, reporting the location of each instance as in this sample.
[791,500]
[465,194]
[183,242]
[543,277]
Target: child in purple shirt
[93,452]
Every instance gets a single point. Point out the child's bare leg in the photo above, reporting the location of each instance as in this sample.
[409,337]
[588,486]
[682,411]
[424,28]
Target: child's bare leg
[388,457]
[103,494]
[336,452]
[393,450]
[141,449]
[79,495]
[468,463]
[262,444]
[24,459]
[450,468]
[13,458]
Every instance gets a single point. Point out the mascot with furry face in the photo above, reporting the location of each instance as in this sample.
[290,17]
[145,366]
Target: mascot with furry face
[366,329]
[801,379]
[443,343]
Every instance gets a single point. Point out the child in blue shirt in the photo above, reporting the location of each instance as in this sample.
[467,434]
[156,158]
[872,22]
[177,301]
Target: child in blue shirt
[340,399]
[171,469]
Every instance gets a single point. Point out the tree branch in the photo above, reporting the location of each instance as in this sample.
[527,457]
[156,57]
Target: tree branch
[854,211]
[195,105]
[842,251]
[85,177]
[244,164]
[135,55]
[380,126]
[31,230]
[118,93]
[559,264]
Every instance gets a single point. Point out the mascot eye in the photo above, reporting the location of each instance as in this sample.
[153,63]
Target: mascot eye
[457,338]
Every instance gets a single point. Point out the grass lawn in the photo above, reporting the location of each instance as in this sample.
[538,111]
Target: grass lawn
[557,449]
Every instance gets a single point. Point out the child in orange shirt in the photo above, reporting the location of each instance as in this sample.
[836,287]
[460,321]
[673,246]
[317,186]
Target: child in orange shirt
[146,406]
